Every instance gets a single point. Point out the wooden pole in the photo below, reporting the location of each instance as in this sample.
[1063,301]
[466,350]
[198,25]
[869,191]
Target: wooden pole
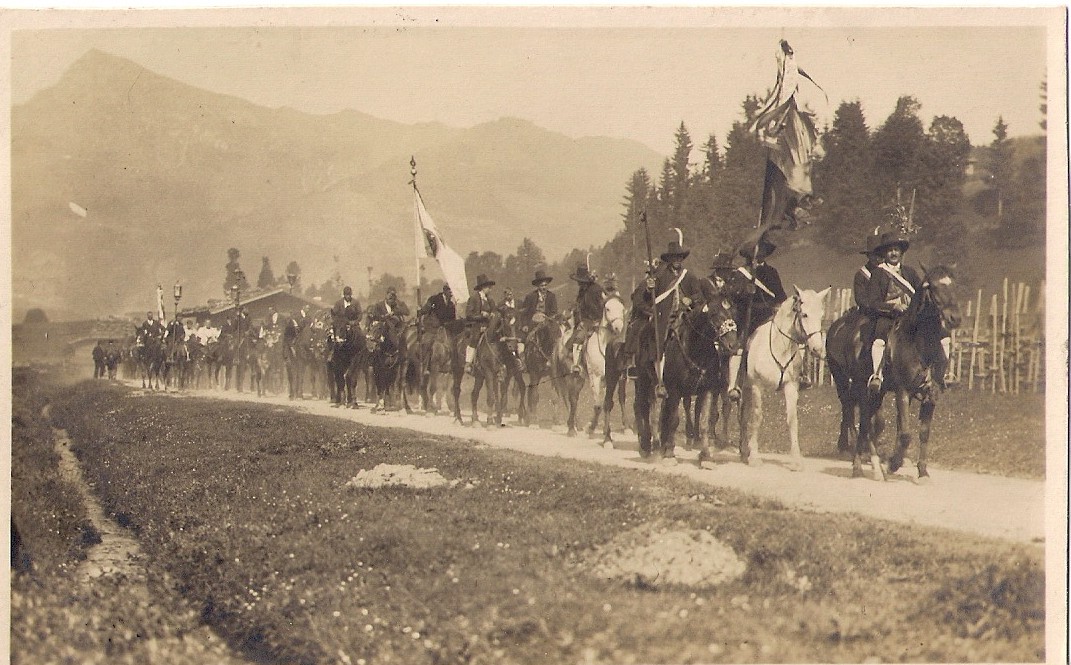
[994,342]
[1004,340]
[974,340]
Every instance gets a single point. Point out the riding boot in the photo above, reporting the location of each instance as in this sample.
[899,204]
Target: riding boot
[628,361]
[877,355]
[945,365]
[470,355]
[660,391]
[734,373]
[576,358]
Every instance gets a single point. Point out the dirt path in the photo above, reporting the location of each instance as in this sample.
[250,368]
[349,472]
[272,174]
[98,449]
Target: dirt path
[1006,508]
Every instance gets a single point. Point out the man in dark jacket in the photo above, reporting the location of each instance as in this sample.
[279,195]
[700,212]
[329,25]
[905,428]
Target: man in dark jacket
[758,301]
[439,309]
[587,314]
[891,288]
[478,310]
[345,313]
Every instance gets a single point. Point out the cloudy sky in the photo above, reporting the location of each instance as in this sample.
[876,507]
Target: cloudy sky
[633,73]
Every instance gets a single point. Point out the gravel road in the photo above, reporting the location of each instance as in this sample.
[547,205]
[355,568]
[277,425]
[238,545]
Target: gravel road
[1010,509]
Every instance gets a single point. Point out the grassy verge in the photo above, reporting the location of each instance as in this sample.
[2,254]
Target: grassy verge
[244,510]
[57,616]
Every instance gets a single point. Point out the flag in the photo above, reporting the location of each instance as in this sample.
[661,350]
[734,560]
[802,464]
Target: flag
[160,303]
[790,138]
[430,243]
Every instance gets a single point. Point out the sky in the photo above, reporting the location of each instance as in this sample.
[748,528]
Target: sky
[632,73]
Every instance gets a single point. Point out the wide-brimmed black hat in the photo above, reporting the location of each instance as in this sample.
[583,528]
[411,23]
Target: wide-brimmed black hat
[891,239]
[583,275]
[482,281]
[541,277]
[872,240]
[674,250]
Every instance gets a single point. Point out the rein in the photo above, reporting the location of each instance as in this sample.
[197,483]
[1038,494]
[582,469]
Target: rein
[797,344]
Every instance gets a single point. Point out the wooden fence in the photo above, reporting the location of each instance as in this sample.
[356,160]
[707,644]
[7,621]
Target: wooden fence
[999,346]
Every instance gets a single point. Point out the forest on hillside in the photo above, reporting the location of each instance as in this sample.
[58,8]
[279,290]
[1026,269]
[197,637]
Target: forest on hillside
[964,200]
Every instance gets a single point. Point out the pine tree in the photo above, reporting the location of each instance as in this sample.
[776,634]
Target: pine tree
[897,147]
[267,277]
[999,163]
[850,208]
[678,186]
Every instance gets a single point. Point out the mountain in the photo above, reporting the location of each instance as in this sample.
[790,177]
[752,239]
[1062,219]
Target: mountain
[171,176]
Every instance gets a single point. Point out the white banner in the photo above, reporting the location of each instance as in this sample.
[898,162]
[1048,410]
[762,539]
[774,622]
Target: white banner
[431,243]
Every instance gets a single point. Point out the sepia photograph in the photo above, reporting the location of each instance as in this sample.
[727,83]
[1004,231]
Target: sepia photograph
[536,335]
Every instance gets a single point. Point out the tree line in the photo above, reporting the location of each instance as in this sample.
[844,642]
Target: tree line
[958,195]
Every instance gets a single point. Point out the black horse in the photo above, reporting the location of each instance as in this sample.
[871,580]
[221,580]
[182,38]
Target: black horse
[495,365]
[697,342]
[345,342]
[913,355]
[540,360]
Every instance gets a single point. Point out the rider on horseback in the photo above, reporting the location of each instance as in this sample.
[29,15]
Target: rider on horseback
[891,287]
[439,310]
[390,311]
[150,327]
[345,315]
[539,305]
[590,299]
[477,311]
[759,300]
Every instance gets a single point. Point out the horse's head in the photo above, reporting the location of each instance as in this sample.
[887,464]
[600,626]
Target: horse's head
[717,321]
[939,293]
[613,315]
[808,311]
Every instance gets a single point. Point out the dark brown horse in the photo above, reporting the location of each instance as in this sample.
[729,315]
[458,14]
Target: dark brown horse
[151,357]
[913,354]
[345,343]
[436,361]
[495,365]
[540,361]
[697,342]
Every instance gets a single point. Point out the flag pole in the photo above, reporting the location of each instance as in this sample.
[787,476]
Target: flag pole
[419,239]
[654,305]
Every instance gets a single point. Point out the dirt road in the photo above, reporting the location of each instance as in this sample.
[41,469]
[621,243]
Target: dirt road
[1005,508]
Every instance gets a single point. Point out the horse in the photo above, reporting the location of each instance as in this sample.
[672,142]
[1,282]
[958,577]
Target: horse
[775,361]
[698,340]
[176,357]
[436,360]
[309,361]
[913,353]
[567,383]
[540,360]
[386,357]
[149,352]
[345,343]
[495,364]
[602,365]
[697,432]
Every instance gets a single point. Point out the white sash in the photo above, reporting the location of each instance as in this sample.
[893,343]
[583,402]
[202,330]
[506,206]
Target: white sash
[673,288]
[865,271]
[898,277]
[755,280]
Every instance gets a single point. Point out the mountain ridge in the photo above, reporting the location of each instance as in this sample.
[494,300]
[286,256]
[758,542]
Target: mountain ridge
[173,175]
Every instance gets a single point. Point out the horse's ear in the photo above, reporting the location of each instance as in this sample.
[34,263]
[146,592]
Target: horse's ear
[799,293]
[824,293]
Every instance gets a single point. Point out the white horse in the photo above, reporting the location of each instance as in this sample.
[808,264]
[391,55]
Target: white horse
[596,356]
[775,360]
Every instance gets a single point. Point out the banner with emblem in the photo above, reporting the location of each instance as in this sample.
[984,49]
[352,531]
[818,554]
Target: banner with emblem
[429,242]
[788,132]
[160,303]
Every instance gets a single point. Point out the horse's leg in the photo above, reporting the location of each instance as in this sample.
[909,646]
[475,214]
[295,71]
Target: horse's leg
[903,434]
[704,430]
[791,390]
[533,395]
[751,421]
[710,438]
[609,388]
[847,408]
[641,411]
[866,442]
[573,389]
[689,423]
[474,396]
[925,417]
[668,421]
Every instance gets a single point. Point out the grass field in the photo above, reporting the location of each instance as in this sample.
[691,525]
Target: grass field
[244,514]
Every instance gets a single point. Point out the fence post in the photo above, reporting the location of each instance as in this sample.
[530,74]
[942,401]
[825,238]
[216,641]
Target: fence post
[974,340]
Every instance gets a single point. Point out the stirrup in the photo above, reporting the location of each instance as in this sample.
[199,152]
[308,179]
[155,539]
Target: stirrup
[734,394]
[632,373]
[874,382]
[576,369]
[468,369]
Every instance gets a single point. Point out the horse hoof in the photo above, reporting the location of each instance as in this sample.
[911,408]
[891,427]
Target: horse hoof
[795,466]
[571,434]
[754,461]
[669,461]
[857,472]
[922,480]
[707,464]
[607,444]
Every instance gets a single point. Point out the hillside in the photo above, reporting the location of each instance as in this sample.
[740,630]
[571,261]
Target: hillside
[172,176]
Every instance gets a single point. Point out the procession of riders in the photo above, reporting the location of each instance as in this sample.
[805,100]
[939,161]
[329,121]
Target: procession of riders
[882,290]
